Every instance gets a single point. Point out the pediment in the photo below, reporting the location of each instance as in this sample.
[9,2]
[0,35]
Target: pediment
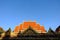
[29,31]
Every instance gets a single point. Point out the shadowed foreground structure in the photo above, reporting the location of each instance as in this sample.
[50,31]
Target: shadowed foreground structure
[30,33]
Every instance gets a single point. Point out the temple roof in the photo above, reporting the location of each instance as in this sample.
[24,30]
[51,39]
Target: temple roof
[26,25]
[58,29]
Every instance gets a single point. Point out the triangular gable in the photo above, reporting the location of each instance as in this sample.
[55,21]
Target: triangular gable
[29,31]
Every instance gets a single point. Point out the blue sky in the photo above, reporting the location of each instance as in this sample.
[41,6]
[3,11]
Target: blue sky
[44,12]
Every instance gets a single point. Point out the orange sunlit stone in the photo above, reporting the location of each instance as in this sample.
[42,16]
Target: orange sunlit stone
[16,29]
[34,26]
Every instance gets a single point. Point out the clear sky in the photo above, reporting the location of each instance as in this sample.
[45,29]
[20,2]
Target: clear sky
[44,12]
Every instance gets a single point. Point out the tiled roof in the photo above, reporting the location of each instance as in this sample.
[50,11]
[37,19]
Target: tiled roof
[25,25]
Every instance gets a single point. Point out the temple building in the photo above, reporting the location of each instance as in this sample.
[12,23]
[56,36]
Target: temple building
[25,25]
[58,29]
